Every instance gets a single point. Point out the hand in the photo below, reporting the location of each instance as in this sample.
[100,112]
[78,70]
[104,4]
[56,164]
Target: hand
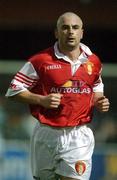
[102,104]
[51,101]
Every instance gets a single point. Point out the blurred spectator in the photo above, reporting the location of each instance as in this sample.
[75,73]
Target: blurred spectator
[3,115]
[13,128]
[107,131]
[29,123]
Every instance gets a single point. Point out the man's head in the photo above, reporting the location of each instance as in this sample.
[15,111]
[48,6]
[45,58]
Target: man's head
[69,31]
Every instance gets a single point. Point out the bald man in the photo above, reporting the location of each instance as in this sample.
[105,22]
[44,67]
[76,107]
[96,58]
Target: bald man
[62,85]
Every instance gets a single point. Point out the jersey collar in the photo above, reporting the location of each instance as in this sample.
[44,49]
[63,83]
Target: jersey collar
[82,58]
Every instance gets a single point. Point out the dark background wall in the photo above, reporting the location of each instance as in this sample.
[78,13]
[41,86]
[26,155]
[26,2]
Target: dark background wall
[27,26]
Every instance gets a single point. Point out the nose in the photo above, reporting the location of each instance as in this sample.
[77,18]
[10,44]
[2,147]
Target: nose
[70,30]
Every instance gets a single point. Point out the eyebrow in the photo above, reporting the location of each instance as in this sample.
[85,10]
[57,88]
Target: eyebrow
[74,26]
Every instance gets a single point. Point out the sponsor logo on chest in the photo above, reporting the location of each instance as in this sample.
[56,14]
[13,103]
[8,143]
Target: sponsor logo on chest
[53,66]
[75,86]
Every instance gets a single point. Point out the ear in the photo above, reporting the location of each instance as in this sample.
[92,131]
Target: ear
[82,34]
[56,33]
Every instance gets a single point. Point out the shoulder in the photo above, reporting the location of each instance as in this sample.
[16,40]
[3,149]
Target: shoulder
[92,59]
[42,56]
[91,56]
[95,59]
[96,62]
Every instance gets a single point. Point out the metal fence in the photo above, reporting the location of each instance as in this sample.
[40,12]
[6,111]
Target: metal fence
[15,161]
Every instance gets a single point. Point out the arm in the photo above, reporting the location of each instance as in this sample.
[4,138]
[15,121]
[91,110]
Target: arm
[49,101]
[100,101]
[20,87]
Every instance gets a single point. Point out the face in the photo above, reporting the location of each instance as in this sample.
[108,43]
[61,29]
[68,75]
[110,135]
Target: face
[69,31]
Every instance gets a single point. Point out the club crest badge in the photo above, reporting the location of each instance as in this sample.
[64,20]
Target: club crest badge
[80,167]
[89,67]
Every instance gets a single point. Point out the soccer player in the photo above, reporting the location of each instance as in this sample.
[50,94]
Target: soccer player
[62,84]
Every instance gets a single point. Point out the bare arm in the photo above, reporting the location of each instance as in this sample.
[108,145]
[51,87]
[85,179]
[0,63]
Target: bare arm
[101,102]
[50,101]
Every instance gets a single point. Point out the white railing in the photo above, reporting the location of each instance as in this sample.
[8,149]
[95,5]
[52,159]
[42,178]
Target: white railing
[14,160]
[11,67]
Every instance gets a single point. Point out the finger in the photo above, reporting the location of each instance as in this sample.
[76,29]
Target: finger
[105,106]
[101,98]
[54,105]
[105,109]
[106,103]
[57,96]
[55,100]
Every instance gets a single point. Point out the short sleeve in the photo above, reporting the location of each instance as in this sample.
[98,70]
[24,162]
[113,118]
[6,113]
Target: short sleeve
[25,79]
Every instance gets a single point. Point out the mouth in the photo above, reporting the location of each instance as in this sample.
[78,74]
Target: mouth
[70,39]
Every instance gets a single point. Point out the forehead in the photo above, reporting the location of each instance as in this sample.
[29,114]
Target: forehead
[70,20]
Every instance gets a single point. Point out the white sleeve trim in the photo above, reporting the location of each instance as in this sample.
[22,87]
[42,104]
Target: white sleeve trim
[99,87]
[25,79]
[11,93]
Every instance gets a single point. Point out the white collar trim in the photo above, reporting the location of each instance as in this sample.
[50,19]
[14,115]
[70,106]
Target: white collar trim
[82,58]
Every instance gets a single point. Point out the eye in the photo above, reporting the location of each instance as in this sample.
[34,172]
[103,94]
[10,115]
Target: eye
[68,27]
[65,27]
[76,27]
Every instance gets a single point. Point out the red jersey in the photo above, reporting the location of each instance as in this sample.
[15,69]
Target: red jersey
[56,77]
[49,72]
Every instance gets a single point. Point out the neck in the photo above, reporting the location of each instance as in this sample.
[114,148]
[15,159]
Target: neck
[72,54]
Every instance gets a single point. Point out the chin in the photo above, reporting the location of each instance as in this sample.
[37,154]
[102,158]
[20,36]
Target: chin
[71,45]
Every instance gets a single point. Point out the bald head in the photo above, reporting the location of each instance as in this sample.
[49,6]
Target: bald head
[69,32]
[68,15]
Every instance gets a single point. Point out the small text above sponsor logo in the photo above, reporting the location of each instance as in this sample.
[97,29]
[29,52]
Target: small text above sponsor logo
[53,66]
